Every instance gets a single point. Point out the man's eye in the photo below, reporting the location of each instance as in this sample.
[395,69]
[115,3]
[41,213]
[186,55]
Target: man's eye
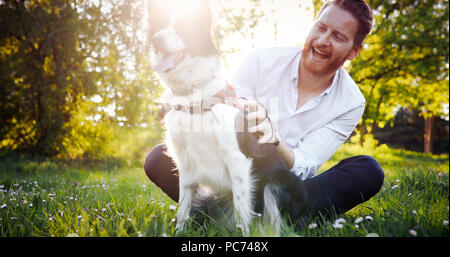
[321,28]
[339,37]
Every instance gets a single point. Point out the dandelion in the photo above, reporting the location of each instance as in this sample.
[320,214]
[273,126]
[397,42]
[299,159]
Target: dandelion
[3,206]
[312,225]
[369,218]
[164,235]
[395,186]
[359,219]
[410,194]
[80,216]
[413,232]
[172,207]
[340,220]
[338,225]
[31,205]
[414,212]
[445,222]
[174,220]
[2,186]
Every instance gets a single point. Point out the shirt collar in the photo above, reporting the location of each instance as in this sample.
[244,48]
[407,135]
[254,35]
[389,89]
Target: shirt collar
[333,83]
[295,65]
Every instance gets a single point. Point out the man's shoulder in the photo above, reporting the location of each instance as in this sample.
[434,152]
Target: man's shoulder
[350,88]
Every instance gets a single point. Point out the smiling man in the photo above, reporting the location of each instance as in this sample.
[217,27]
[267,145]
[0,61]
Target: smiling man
[318,106]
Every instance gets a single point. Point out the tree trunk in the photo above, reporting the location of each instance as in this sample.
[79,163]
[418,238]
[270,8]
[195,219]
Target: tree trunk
[427,137]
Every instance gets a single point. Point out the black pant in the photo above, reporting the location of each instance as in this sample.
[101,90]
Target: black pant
[352,181]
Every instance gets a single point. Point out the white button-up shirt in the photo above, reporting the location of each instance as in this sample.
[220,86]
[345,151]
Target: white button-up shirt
[320,126]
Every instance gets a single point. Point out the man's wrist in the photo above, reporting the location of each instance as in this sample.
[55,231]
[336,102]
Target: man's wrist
[277,140]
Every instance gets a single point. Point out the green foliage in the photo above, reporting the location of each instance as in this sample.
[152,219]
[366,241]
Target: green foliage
[404,61]
[70,72]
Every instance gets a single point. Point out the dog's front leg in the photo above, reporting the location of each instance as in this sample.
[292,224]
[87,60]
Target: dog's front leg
[185,206]
[242,184]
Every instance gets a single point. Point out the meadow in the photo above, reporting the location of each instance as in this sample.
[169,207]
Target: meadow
[44,198]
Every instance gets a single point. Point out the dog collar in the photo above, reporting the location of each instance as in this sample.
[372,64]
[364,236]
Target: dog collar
[225,96]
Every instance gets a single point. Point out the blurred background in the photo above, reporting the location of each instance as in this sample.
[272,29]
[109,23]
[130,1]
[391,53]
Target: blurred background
[76,83]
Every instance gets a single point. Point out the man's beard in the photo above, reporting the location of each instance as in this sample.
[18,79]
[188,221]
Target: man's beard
[328,66]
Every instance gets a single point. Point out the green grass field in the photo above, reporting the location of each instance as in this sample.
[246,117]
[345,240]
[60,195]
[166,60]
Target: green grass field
[55,199]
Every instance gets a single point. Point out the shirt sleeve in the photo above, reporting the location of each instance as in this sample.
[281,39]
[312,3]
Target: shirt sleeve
[319,145]
[246,76]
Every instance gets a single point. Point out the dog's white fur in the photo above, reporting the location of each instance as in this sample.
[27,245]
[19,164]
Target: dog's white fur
[209,155]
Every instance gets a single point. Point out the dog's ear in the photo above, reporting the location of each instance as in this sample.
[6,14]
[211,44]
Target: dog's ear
[158,15]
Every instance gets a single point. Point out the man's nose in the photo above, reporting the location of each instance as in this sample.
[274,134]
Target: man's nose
[324,39]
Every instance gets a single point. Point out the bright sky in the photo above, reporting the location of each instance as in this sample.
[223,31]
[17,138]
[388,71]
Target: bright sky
[293,24]
[293,19]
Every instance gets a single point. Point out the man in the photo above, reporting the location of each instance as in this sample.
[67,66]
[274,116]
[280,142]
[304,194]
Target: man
[318,106]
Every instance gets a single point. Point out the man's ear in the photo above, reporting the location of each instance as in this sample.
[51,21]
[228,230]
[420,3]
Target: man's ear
[355,51]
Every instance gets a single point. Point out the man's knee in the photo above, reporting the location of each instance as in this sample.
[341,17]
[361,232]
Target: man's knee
[373,172]
[152,161]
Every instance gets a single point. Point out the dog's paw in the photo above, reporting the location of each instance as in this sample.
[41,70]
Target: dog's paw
[180,228]
[244,229]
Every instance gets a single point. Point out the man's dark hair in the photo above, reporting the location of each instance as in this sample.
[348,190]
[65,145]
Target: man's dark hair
[361,11]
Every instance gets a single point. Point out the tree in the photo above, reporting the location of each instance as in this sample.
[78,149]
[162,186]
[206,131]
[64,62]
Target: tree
[404,62]
[42,73]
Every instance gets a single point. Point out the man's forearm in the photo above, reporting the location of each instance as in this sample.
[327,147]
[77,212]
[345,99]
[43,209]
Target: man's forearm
[287,154]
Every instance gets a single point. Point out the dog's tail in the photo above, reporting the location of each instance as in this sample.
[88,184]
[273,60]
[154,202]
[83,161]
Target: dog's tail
[271,206]
[285,199]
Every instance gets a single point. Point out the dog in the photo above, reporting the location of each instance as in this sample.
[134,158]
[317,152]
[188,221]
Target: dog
[219,162]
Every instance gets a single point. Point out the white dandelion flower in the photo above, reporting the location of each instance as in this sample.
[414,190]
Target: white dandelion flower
[312,225]
[340,220]
[395,186]
[413,232]
[359,219]
[337,225]
[172,207]
[369,218]
[445,222]
[3,206]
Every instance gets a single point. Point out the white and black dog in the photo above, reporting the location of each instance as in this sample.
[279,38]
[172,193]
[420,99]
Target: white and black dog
[218,161]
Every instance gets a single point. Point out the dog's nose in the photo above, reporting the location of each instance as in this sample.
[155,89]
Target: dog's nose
[158,44]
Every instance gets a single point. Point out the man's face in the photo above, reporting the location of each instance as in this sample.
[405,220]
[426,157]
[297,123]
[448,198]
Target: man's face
[330,41]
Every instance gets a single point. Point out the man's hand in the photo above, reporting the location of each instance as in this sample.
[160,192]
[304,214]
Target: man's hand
[258,121]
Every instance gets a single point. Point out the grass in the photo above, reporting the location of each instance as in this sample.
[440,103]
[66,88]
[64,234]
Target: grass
[45,198]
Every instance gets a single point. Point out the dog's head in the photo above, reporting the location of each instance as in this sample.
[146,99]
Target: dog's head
[184,54]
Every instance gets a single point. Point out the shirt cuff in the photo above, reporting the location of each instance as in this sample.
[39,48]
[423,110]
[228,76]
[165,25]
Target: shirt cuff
[305,165]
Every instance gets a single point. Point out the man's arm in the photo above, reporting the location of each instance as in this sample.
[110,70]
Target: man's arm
[315,148]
